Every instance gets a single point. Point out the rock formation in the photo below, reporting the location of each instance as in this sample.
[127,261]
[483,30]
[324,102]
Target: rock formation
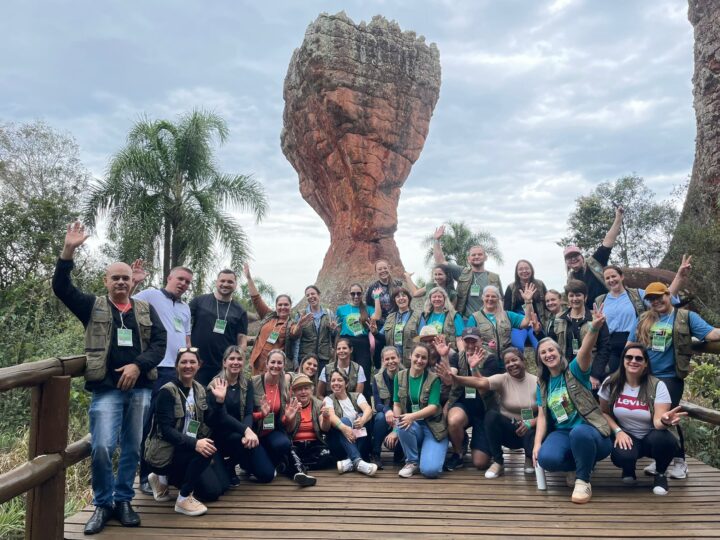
[358,103]
[698,231]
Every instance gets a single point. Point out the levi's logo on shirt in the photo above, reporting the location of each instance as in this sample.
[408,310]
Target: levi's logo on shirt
[632,403]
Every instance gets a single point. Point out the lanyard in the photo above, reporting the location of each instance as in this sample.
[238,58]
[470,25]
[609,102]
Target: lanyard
[422,381]
[274,396]
[120,311]
[217,309]
[185,398]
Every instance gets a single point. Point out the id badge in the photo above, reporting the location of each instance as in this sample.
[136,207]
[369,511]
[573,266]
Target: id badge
[192,429]
[398,337]
[575,346]
[470,392]
[273,337]
[658,341]
[268,422]
[178,324]
[415,407]
[474,290]
[559,412]
[220,326]
[124,337]
[527,416]
[355,326]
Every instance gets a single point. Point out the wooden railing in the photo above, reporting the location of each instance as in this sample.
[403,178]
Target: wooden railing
[43,475]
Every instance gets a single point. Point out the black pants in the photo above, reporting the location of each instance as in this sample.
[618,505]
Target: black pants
[379,344]
[676,387]
[500,431]
[361,356]
[659,445]
[308,455]
[192,473]
[617,345]
[255,461]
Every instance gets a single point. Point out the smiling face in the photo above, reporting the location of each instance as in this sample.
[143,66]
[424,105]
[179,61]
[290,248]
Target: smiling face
[437,300]
[523,271]
[514,365]
[187,366]
[472,344]
[419,359]
[391,360]
[634,362]
[178,282]
[118,279]
[552,302]
[355,295]
[303,393]
[439,277]
[402,301]
[282,306]
[574,261]
[312,297]
[234,364]
[310,367]
[490,300]
[226,284]
[275,364]
[659,303]
[337,384]
[382,269]
[613,280]
[576,300]
[549,355]
[342,351]
[476,257]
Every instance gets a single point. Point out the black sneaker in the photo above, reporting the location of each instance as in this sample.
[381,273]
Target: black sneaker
[304,480]
[377,460]
[660,484]
[454,461]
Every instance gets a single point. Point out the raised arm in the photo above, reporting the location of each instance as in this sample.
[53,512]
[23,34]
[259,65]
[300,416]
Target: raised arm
[438,254]
[584,355]
[681,275]
[414,290]
[527,294]
[612,234]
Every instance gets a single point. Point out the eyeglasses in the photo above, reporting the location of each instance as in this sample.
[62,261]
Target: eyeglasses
[572,257]
[355,293]
[639,359]
[188,349]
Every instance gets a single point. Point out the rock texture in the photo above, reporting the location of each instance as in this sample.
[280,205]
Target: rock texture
[358,103]
[698,231]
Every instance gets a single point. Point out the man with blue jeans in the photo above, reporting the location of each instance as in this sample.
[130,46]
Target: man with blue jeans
[124,342]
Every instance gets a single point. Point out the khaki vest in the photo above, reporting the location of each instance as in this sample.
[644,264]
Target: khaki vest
[560,328]
[98,336]
[258,384]
[582,398]
[538,305]
[410,331]
[436,423]
[465,282]
[242,382]
[448,329]
[651,405]
[633,295]
[352,375]
[158,451]
[337,408]
[682,342]
[316,406]
[500,332]
[385,393]
[317,341]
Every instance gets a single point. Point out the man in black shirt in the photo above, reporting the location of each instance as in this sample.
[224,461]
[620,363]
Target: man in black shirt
[218,321]
[590,271]
[124,342]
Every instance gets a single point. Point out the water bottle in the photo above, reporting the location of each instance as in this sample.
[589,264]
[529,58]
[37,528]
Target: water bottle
[540,478]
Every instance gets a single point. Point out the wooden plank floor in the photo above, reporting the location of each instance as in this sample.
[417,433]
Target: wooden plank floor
[461,504]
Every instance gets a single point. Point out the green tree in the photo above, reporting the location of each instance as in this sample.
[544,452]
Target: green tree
[457,241]
[166,201]
[266,290]
[647,225]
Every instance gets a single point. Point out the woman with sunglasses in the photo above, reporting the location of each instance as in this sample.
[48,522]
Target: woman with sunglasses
[179,449]
[234,437]
[357,321]
[275,328]
[637,407]
[667,335]
[270,393]
[401,325]
[353,371]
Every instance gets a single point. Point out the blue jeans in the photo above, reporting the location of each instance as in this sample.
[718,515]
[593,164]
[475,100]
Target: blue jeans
[578,449]
[116,417]
[519,336]
[418,442]
[341,448]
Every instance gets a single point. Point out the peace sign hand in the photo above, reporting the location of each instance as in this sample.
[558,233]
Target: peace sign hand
[598,317]
[685,266]
[673,417]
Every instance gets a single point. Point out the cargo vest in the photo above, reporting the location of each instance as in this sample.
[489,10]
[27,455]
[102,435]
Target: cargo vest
[352,375]
[448,329]
[465,282]
[500,332]
[436,423]
[490,399]
[682,342]
[337,408]
[633,295]
[158,451]
[317,341]
[98,336]
[315,406]
[385,393]
[538,305]
[242,383]
[409,332]
[582,398]
[288,348]
[258,384]
[560,327]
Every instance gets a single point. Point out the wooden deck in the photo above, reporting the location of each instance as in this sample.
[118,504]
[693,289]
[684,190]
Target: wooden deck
[461,504]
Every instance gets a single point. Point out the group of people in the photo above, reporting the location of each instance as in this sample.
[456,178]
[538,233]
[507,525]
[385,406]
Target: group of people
[174,386]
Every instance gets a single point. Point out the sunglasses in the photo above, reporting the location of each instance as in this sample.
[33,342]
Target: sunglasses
[188,349]
[639,359]
[355,293]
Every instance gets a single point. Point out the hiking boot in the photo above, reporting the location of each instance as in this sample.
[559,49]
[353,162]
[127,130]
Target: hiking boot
[454,461]
[97,521]
[582,492]
[366,468]
[160,491]
[190,506]
[495,470]
[408,470]
[304,480]
[678,469]
[344,466]
[660,484]
[528,466]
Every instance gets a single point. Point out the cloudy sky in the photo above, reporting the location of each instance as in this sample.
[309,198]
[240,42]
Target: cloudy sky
[540,101]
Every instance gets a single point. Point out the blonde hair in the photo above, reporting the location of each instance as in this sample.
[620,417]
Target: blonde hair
[428,307]
[645,322]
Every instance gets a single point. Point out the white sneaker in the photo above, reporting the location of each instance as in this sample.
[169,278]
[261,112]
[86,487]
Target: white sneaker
[161,492]
[345,465]
[408,470]
[366,468]
[678,469]
[494,471]
[190,506]
[570,479]
[528,467]
[650,470]
[582,492]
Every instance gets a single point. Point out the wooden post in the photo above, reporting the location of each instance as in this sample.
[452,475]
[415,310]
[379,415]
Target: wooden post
[45,507]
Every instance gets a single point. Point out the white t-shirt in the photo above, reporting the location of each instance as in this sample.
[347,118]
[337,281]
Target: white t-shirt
[361,374]
[631,414]
[349,411]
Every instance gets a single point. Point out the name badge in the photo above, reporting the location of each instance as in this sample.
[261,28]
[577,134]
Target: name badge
[475,290]
[559,412]
[220,326]
[178,324]
[268,422]
[124,337]
[527,416]
[575,346]
[398,336]
[470,392]
[192,429]
[273,337]
[354,325]
[415,407]
[659,341]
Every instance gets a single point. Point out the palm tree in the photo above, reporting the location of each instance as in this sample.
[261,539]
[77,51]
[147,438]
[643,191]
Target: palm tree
[166,201]
[458,239]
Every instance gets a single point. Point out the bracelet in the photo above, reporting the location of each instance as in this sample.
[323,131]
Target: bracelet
[593,330]
[338,424]
[376,296]
[619,429]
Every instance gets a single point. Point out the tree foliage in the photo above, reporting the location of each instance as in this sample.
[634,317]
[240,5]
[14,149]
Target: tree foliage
[166,201]
[647,226]
[457,241]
